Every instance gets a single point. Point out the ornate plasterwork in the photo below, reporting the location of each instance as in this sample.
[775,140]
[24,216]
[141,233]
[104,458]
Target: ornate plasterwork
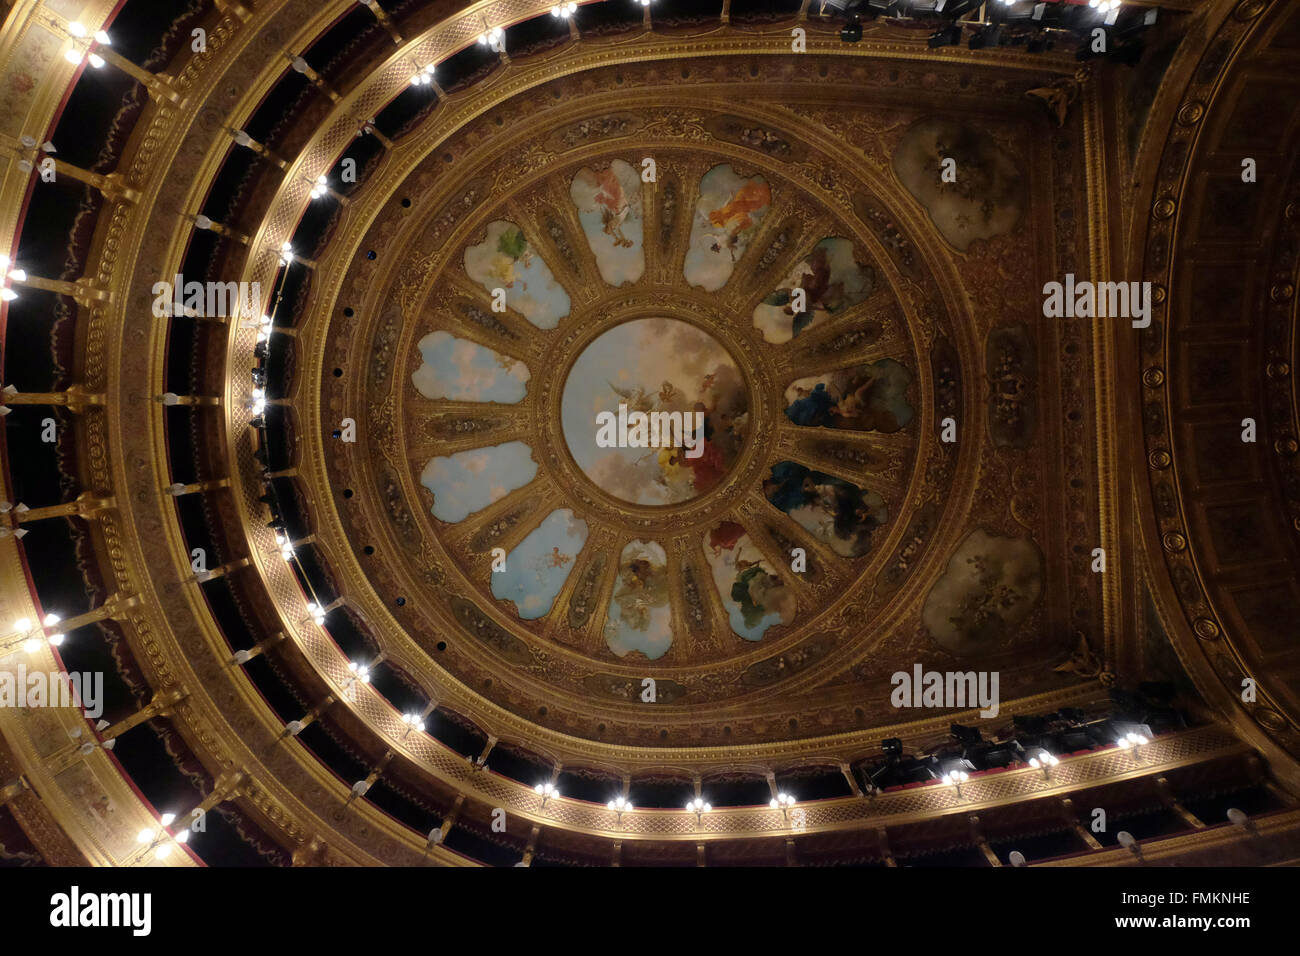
[1204,625]
[229,725]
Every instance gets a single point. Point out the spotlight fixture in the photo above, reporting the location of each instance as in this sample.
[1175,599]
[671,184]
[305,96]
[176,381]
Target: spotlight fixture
[948,36]
[987,35]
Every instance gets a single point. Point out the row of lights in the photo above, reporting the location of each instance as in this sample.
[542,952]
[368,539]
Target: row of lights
[1043,761]
[696,805]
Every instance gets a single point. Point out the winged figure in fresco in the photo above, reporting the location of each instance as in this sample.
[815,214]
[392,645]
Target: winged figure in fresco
[614,206]
[636,398]
[734,217]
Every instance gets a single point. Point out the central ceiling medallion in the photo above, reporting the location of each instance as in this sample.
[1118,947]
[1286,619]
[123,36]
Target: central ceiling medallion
[655,411]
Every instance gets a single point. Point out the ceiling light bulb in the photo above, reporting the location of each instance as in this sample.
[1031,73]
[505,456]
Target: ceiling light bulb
[51,619]
[31,645]
[168,819]
[18,275]
[56,640]
[22,624]
[73,57]
[76,29]
[144,836]
[164,851]
[103,38]
[183,836]
[8,295]
[96,61]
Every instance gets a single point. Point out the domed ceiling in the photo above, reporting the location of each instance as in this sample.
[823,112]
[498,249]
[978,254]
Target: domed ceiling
[637,244]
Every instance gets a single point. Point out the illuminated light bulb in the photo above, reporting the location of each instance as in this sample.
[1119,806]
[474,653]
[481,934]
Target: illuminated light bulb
[183,836]
[168,819]
[76,29]
[103,38]
[56,640]
[22,624]
[164,851]
[51,619]
[96,61]
[73,57]
[144,836]
[31,645]
[8,295]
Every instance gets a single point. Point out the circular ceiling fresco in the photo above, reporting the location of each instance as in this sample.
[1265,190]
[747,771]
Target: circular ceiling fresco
[644,396]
